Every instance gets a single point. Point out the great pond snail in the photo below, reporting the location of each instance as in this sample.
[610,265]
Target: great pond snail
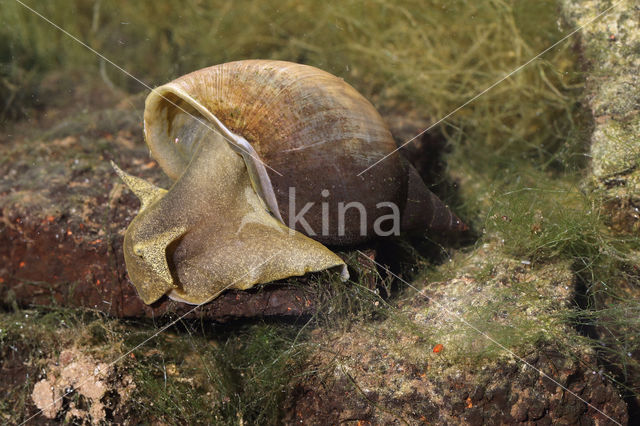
[254,146]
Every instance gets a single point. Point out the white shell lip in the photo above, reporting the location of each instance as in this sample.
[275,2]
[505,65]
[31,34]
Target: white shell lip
[173,295]
[160,147]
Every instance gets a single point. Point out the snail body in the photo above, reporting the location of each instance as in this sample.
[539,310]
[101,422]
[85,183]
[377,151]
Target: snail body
[266,157]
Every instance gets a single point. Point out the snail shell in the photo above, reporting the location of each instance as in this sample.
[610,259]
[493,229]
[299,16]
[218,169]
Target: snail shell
[304,136]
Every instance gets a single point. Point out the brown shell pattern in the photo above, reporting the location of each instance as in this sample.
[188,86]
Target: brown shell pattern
[312,127]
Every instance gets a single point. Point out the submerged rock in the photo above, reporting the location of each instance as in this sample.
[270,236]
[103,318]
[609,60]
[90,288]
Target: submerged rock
[81,387]
[610,48]
[489,345]
[63,213]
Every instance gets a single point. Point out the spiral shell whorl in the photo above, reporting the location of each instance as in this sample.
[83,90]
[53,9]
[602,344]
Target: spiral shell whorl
[308,125]
[222,224]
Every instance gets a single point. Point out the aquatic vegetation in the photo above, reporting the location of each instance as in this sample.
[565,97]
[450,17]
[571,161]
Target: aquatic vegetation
[517,155]
[426,56]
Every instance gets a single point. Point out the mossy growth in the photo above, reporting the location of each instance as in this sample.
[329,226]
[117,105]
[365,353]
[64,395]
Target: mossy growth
[540,217]
[518,153]
[192,372]
[340,304]
[487,306]
[184,370]
[30,339]
[430,57]
[215,375]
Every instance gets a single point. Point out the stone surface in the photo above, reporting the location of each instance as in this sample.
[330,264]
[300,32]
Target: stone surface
[610,48]
[85,386]
[63,216]
[63,212]
[610,51]
[489,345]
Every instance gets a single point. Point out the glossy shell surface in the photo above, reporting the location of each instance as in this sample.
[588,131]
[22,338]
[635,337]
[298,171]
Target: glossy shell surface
[314,132]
